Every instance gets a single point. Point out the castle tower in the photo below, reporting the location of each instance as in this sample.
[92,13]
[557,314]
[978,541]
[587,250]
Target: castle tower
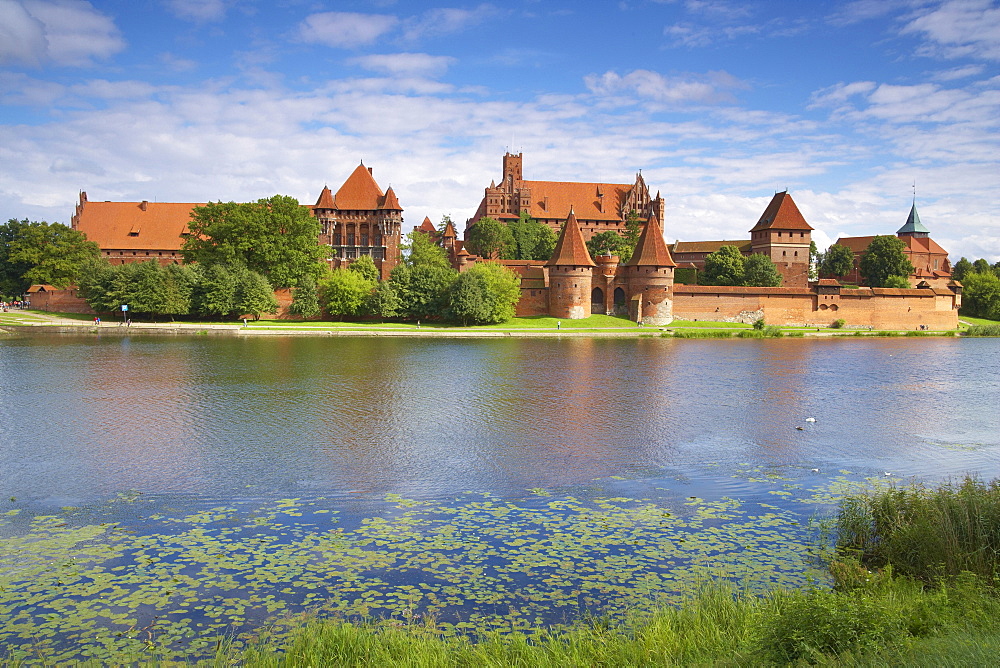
[783,235]
[913,227]
[570,273]
[649,274]
[390,227]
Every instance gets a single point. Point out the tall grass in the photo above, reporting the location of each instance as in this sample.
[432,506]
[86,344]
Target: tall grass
[925,533]
[983,330]
[702,334]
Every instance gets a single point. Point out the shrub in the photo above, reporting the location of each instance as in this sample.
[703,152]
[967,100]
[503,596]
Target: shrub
[983,330]
[838,323]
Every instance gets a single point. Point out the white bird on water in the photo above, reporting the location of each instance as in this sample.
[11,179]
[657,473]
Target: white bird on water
[810,419]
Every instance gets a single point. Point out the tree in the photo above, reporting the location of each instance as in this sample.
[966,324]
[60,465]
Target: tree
[420,251]
[180,281]
[608,242]
[33,252]
[487,293]
[897,282]
[814,258]
[305,302]
[883,258]
[276,237]
[837,261]
[147,292]
[215,293]
[532,239]
[365,266]
[760,271]
[981,266]
[384,301]
[423,289]
[981,295]
[445,219]
[723,267]
[254,295]
[343,292]
[961,269]
[633,230]
[489,238]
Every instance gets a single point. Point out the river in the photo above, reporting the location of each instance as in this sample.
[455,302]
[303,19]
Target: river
[165,490]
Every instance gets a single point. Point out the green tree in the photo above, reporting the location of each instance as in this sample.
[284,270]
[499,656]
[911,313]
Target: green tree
[147,292]
[760,271]
[837,261]
[254,295]
[343,292]
[962,268]
[487,293]
[608,242]
[981,266]
[42,253]
[981,295]
[420,251]
[532,240]
[96,285]
[883,258]
[423,289]
[180,281]
[723,267]
[276,237]
[633,230]
[305,301]
[445,219]
[384,301]
[491,239]
[897,282]
[215,293]
[814,258]
[365,266]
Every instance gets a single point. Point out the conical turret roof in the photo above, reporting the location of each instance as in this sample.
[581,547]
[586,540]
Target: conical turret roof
[359,192]
[913,224]
[391,203]
[427,226]
[781,214]
[325,200]
[651,250]
[570,248]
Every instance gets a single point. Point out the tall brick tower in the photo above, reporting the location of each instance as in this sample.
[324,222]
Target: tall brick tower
[649,274]
[783,235]
[570,273]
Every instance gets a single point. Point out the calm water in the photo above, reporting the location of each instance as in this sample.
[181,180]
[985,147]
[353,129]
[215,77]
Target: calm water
[623,462]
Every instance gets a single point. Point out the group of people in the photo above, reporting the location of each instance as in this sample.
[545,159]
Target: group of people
[16,304]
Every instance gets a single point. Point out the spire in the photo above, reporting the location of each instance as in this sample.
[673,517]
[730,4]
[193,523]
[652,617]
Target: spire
[913,226]
[651,250]
[570,248]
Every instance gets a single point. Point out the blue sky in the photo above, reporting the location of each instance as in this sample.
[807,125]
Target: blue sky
[719,103]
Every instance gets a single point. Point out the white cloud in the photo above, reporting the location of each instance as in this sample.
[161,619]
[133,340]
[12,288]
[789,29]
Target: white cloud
[445,21]
[691,35]
[960,29]
[711,88]
[63,32]
[957,73]
[345,30]
[200,10]
[406,64]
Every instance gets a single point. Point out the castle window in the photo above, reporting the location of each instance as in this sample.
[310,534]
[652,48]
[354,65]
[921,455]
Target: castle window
[784,253]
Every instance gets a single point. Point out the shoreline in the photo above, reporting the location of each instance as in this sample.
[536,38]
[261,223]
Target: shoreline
[235,329]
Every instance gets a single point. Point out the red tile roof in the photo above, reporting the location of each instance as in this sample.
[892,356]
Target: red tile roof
[135,225]
[651,249]
[325,200]
[427,226]
[710,246]
[781,214]
[359,192]
[570,248]
[582,198]
[856,244]
[390,203]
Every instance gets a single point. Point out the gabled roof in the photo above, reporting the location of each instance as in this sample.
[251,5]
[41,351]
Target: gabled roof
[135,225]
[390,203]
[325,200]
[922,245]
[359,192]
[913,224]
[570,248]
[651,249]
[781,214]
[856,244]
[590,201]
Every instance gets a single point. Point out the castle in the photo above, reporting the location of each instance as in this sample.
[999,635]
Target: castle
[360,219]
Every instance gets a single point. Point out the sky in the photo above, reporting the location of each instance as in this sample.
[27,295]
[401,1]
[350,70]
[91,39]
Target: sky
[853,106]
